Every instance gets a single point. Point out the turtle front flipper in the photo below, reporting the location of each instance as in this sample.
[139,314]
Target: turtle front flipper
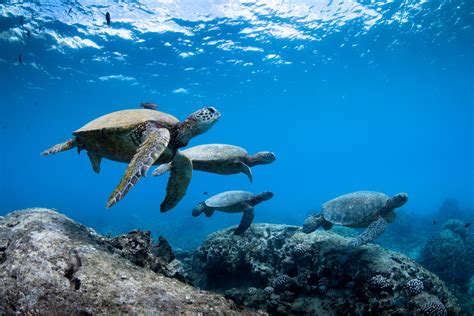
[246,220]
[161,170]
[69,144]
[374,230]
[181,173]
[95,161]
[155,143]
[242,167]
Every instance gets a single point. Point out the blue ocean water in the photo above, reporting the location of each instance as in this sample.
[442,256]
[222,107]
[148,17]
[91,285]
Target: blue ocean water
[349,95]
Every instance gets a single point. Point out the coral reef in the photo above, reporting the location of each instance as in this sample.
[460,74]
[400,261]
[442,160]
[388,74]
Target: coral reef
[449,254]
[318,273]
[50,264]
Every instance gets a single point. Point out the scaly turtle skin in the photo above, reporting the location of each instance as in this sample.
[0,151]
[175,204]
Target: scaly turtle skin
[233,202]
[222,159]
[372,210]
[141,137]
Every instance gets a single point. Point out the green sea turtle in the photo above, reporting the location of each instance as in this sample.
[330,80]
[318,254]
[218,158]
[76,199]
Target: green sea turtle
[233,202]
[221,159]
[372,210]
[142,137]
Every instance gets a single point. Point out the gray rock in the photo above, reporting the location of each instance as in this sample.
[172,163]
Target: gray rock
[51,264]
[328,278]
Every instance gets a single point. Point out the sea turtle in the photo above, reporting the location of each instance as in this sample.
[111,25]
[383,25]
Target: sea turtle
[359,209]
[222,159]
[233,202]
[142,137]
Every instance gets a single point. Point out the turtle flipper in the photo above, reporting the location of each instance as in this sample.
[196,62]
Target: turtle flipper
[69,144]
[95,161]
[246,220]
[161,170]
[155,143]
[242,167]
[374,230]
[181,173]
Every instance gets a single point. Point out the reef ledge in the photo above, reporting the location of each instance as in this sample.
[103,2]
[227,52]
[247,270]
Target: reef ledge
[50,264]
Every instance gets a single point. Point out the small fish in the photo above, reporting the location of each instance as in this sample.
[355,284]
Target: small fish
[467,225]
[434,222]
[21,20]
[69,12]
[205,192]
[20,60]
[149,106]
[107,18]
[28,34]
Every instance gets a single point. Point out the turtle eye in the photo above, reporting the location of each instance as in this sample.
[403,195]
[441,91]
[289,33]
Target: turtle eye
[212,110]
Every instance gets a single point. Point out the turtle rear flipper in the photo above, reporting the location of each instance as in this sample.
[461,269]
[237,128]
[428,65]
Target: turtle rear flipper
[161,170]
[155,143]
[181,173]
[246,220]
[374,230]
[69,144]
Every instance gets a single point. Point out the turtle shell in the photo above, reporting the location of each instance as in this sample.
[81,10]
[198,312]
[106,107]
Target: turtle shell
[127,119]
[354,208]
[214,152]
[228,199]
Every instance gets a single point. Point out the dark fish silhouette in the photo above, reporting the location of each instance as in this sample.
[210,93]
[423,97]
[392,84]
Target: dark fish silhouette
[28,34]
[20,60]
[149,105]
[107,17]
[21,20]
[434,222]
[467,225]
[205,193]
[69,12]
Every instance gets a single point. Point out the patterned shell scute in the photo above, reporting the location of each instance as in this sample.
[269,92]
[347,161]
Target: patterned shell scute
[214,152]
[228,198]
[353,208]
[128,119]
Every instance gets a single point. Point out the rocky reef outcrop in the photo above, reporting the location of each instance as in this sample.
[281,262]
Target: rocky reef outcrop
[284,271]
[450,253]
[51,265]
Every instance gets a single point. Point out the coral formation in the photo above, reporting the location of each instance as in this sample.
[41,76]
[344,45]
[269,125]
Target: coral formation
[51,264]
[380,283]
[328,277]
[457,227]
[448,254]
[434,308]
[414,286]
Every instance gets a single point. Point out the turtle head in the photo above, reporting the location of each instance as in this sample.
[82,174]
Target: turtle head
[313,222]
[398,200]
[263,158]
[197,123]
[264,196]
[201,207]
[258,198]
